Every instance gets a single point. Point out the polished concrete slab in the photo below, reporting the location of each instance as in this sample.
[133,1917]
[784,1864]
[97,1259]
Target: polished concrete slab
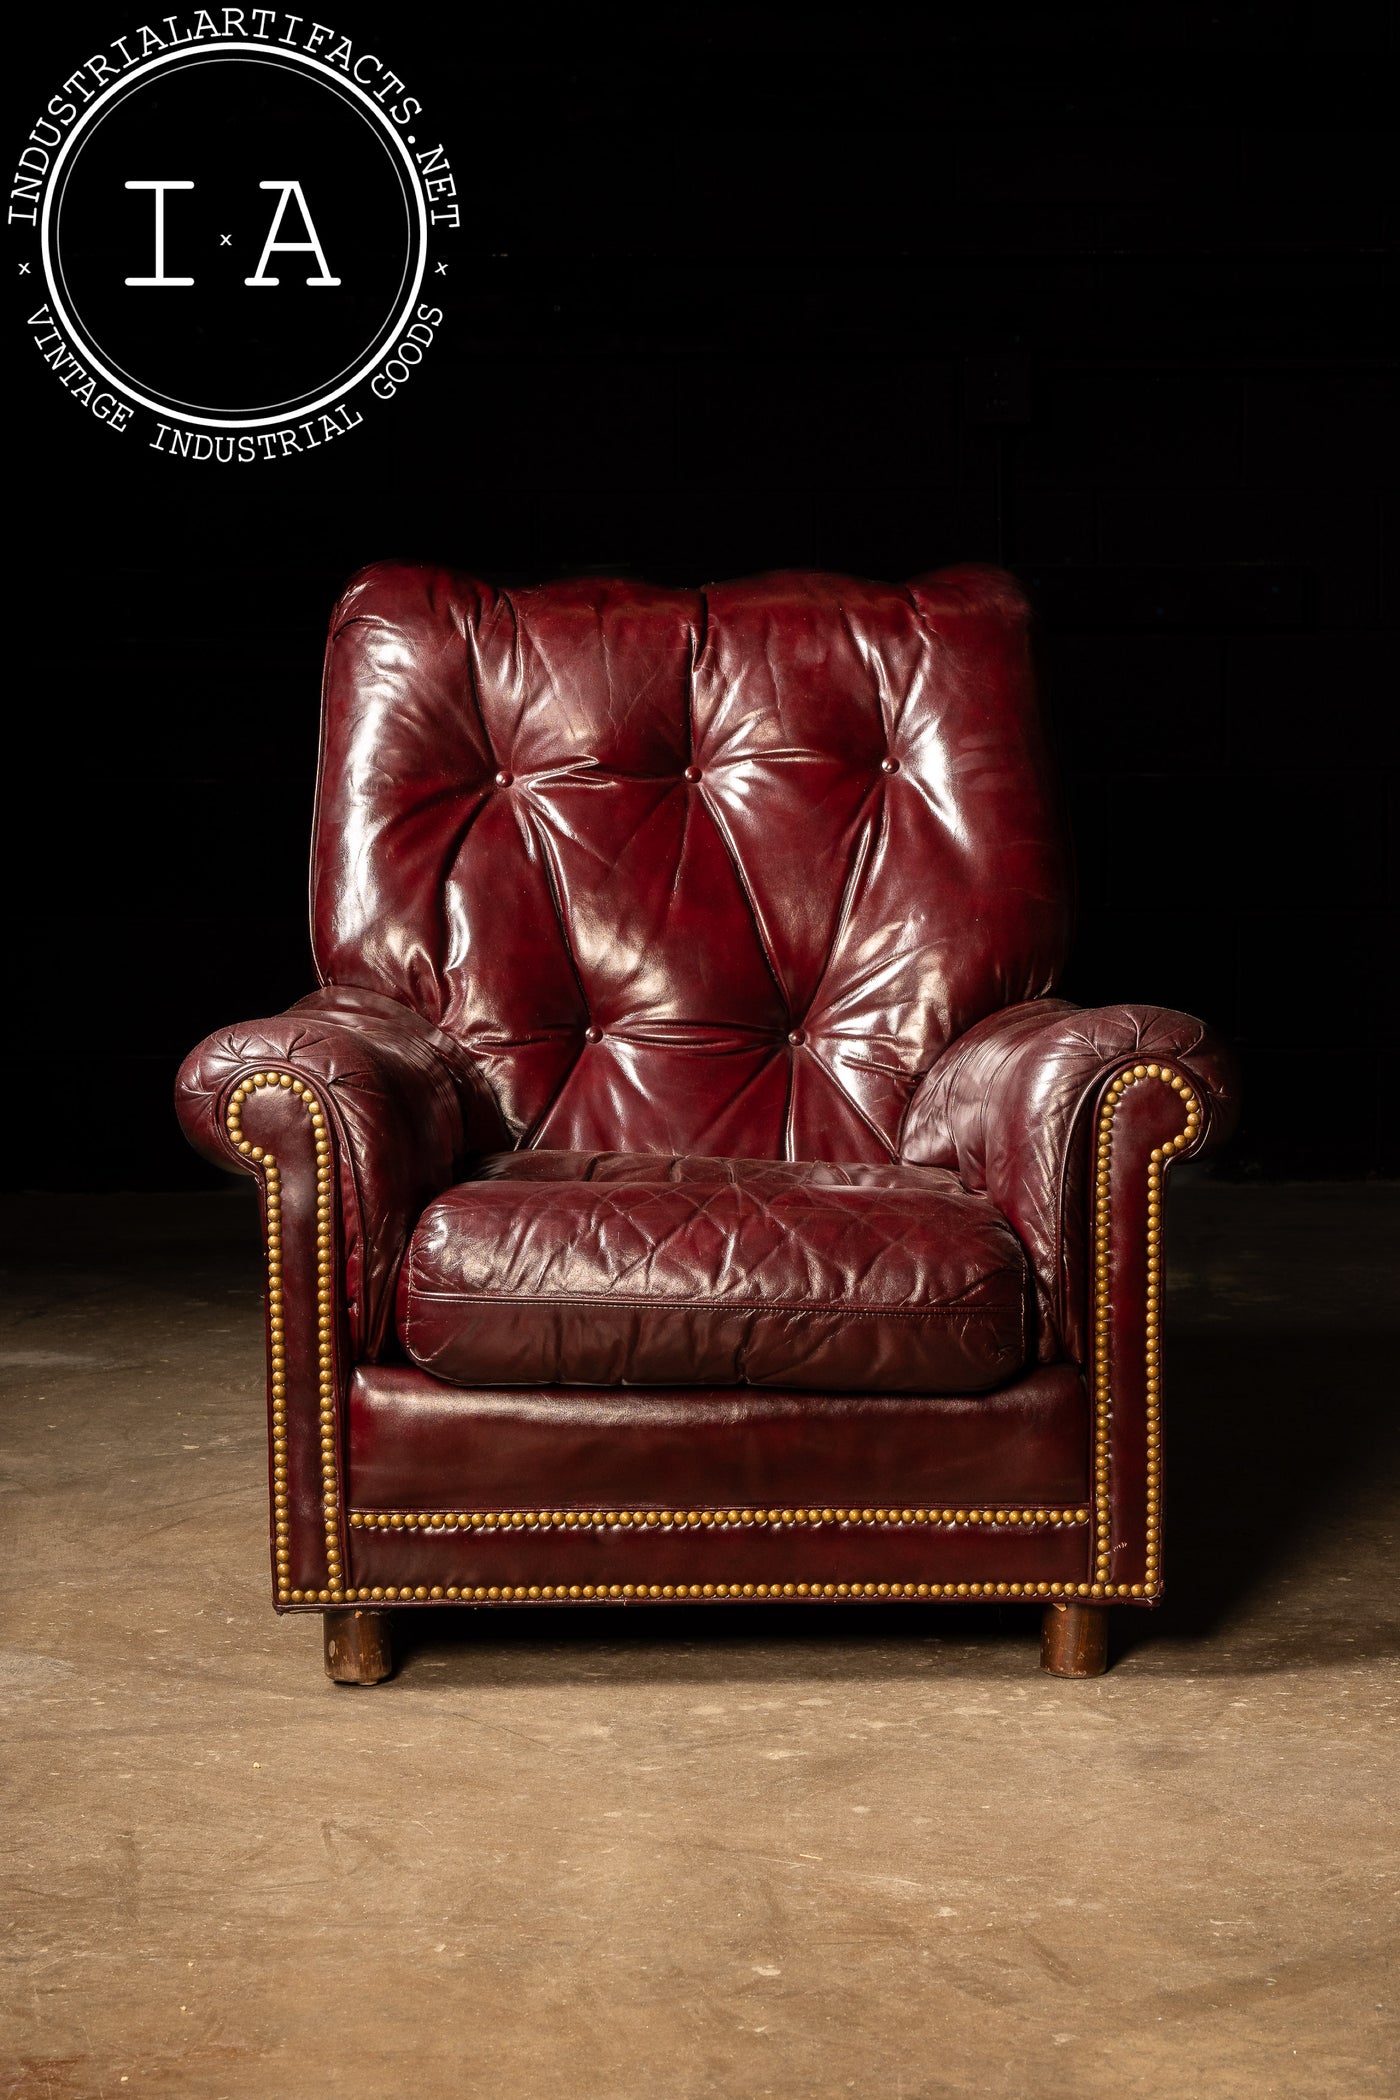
[740,1852]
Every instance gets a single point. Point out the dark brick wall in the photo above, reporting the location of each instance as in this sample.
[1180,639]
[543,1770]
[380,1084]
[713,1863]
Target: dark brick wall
[734,296]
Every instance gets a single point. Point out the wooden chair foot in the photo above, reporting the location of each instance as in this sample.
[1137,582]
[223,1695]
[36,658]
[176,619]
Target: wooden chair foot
[1074,1640]
[359,1649]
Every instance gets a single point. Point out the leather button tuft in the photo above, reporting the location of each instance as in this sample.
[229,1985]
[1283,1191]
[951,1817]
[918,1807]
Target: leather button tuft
[503,780]
[798,1036]
[692,773]
[593,1035]
[889,765]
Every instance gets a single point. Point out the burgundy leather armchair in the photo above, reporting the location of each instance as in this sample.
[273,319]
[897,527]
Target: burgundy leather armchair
[685,1184]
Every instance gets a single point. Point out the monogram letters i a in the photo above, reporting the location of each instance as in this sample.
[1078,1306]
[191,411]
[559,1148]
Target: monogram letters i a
[271,246]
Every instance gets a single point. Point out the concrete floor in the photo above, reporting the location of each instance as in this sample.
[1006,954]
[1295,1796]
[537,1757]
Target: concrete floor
[741,1853]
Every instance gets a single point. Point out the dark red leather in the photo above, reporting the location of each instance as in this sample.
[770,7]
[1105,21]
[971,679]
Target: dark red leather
[442,1563]
[717,871]
[770,872]
[407,1112]
[715,1487]
[1007,1109]
[585,1268]
[418,1444]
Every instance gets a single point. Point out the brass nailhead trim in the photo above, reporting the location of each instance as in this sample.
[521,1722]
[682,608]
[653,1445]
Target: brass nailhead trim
[710,1519]
[1103,1384]
[334,1592]
[732,1592]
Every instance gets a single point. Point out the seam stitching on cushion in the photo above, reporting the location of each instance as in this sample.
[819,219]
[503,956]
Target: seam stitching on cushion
[710,1305]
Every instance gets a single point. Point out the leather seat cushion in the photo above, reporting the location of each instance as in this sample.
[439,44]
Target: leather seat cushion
[611,1269]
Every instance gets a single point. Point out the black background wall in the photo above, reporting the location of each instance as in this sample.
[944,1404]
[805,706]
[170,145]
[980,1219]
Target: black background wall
[737,294]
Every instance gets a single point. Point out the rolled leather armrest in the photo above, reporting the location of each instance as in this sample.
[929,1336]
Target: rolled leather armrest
[403,1107]
[1010,1108]
[353,1112]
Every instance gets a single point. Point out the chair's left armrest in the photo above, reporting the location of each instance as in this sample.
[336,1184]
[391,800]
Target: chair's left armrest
[404,1108]
[353,1113]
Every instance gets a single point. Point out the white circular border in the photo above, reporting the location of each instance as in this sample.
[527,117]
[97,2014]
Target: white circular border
[308,408]
[269,412]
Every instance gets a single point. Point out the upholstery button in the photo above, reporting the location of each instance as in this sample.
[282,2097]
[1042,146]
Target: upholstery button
[692,772]
[889,765]
[798,1036]
[593,1035]
[503,780]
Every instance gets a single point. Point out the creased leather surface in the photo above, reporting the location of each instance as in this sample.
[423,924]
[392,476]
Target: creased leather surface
[1007,1109]
[717,871]
[578,1268]
[767,873]
[418,1444]
[406,1113]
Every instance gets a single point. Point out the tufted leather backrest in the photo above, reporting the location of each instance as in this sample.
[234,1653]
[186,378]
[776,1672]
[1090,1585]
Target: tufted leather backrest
[713,871]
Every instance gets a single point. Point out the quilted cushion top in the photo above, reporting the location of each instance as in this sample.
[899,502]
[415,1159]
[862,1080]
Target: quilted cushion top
[614,1269]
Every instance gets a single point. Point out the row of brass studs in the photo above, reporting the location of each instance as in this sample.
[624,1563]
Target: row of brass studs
[335,1592]
[1103,1393]
[733,1592]
[710,1519]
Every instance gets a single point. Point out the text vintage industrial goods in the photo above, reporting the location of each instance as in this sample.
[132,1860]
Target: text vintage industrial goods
[230,222]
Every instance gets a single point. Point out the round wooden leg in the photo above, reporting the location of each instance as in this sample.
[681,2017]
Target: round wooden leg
[358,1647]
[1074,1640]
